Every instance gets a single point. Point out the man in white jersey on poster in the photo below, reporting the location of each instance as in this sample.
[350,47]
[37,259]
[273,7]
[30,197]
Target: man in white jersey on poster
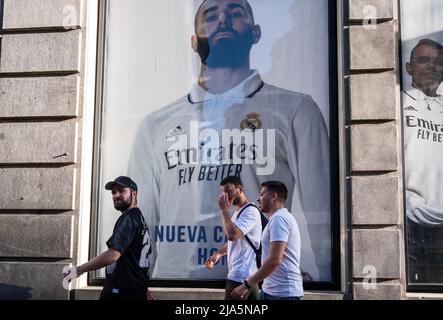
[230,124]
[423,134]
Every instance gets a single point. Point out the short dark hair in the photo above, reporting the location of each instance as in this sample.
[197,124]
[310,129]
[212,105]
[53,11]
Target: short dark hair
[248,10]
[278,187]
[235,180]
[426,42]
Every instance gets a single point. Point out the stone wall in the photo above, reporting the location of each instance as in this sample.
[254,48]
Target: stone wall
[40,134]
[375,149]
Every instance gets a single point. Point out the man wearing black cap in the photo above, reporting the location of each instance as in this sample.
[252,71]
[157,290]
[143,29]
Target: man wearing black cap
[127,259]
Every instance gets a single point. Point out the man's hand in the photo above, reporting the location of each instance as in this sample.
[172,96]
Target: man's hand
[212,260]
[239,292]
[72,273]
[223,201]
[69,273]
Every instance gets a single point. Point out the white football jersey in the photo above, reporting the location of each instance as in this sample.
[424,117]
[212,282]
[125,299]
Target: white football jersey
[423,139]
[255,130]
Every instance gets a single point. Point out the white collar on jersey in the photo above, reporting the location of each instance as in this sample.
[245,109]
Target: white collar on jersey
[246,88]
[418,95]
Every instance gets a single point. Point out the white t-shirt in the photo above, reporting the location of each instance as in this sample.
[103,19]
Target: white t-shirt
[179,178]
[241,257]
[286,280]
[423,135]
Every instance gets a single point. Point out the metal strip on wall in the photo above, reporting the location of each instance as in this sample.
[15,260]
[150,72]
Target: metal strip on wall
[1,27]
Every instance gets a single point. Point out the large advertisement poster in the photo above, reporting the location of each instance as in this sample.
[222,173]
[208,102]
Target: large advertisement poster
[422,56]
[196,92]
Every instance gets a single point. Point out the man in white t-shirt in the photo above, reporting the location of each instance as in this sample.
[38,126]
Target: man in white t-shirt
[246,222]
[423,136]
[280,269]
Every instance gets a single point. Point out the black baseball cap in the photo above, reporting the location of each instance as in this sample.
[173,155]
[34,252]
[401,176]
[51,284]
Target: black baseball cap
[122,181]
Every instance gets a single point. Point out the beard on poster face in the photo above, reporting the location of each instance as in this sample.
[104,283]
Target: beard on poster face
[225,51]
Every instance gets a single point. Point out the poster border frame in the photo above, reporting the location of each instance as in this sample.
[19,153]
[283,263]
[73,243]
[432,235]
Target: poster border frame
[410,287]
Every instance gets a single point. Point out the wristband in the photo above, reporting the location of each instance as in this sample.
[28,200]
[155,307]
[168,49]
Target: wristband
[247,284]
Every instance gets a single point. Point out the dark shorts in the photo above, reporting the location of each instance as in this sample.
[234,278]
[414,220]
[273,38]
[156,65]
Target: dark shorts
[425,253]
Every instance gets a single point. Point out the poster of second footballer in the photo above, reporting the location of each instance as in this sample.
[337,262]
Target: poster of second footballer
[422,53]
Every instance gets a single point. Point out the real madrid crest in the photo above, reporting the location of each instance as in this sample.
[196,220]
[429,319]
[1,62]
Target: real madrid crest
[252,122]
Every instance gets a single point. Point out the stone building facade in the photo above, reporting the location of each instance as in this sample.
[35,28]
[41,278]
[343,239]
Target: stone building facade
[47,107]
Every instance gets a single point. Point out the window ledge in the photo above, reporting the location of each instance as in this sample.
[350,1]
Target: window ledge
[93,293]
[424,296]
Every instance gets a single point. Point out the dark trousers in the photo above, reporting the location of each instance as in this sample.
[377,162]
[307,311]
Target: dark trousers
[425,253]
